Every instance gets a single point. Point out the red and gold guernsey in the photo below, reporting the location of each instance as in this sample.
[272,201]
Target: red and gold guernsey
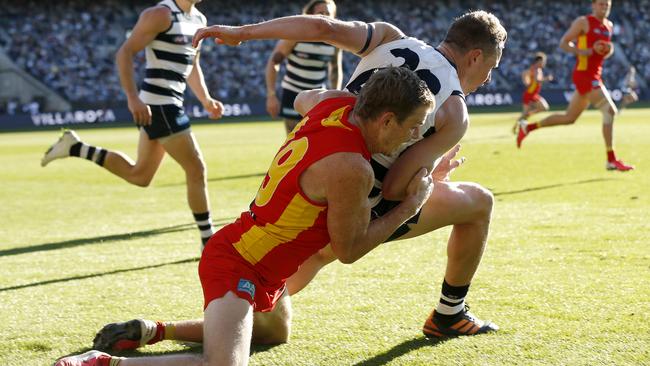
[535,86]
[591,67]
[283,226]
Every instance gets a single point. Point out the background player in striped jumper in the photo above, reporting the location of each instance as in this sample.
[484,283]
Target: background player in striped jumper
[460,64]
[629,88]
[589,38]
[308,66]
[533,78]
[165,32]
[315,192]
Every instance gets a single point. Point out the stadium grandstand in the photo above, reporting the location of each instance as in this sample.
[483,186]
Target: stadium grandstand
[66,48]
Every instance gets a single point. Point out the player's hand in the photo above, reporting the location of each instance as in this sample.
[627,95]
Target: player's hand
[214,108]
[447,164]
[273,105]
[419,190]
[222,34]
[140,111]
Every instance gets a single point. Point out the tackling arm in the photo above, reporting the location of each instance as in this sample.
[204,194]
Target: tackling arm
[347,184]
[349,36]
[452,121]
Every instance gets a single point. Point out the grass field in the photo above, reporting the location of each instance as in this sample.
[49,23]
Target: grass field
[566,274]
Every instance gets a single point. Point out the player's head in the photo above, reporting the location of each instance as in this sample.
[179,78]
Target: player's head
[540,59]
[601,8]
[320,7]
[392,105]
[479,38]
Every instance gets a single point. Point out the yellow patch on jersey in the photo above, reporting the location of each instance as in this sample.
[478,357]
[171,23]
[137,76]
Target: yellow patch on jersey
[334,119]
[258,241]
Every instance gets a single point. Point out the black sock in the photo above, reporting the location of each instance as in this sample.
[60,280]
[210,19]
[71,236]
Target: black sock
[452,302]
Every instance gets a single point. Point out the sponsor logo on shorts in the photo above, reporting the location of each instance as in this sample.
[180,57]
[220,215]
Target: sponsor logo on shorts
[247,287]
[182,120]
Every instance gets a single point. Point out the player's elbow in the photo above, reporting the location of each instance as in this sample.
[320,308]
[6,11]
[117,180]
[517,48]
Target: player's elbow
[324,28]
[344,252]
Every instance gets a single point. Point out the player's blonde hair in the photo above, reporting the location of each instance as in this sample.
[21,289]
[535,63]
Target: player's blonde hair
[309,8]
[393,89]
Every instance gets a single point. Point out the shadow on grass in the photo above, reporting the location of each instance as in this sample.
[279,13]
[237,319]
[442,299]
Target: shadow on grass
[218,179]
[550,186]
[104,239]
[100,274]
[400,350]
[189,347]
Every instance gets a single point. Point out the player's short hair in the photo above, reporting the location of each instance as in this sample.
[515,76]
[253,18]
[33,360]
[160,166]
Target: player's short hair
[477,30]
[393,89]
[539,56]
[309,8]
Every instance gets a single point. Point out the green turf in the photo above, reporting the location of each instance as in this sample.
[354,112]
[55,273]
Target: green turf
[566,274]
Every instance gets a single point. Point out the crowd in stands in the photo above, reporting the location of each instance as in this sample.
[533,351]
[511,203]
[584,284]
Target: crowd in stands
[69,45]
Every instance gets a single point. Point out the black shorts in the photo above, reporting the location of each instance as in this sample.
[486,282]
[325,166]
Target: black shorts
[383,207]
[286,108]
[166,120]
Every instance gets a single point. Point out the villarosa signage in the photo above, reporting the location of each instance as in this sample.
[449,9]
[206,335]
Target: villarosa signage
[73,117]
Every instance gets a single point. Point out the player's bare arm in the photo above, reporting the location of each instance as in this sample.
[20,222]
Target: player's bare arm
[567,42]
[349,36]
[611,44]
[197,83]
[307,99]
[280,52]
[152,21]
[346,180]
[452,121]
[525,78]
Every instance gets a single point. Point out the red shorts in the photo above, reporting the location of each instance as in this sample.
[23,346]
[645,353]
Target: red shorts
[528,98]
[585,83]
[223,269]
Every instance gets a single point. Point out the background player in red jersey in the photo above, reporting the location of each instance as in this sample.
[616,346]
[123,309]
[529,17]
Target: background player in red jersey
[533,78]
[314,193]
[589,38]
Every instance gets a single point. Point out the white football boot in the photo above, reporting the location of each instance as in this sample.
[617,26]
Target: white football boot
[61,148]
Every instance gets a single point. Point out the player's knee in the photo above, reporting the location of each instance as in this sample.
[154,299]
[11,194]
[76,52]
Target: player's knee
[141,180]
[483,201]
[196,171]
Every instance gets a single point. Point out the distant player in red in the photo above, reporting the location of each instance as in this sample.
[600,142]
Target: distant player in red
[589,38]
[314,193]
[533,78]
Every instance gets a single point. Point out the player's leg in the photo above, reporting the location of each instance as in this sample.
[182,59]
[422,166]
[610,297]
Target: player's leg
[522,117]
[577,105]
[291,117]
[601,99]
[228,327]
[139,332]
[309,269]
[184,149]
[273,327]
[140,173]
[468,207]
